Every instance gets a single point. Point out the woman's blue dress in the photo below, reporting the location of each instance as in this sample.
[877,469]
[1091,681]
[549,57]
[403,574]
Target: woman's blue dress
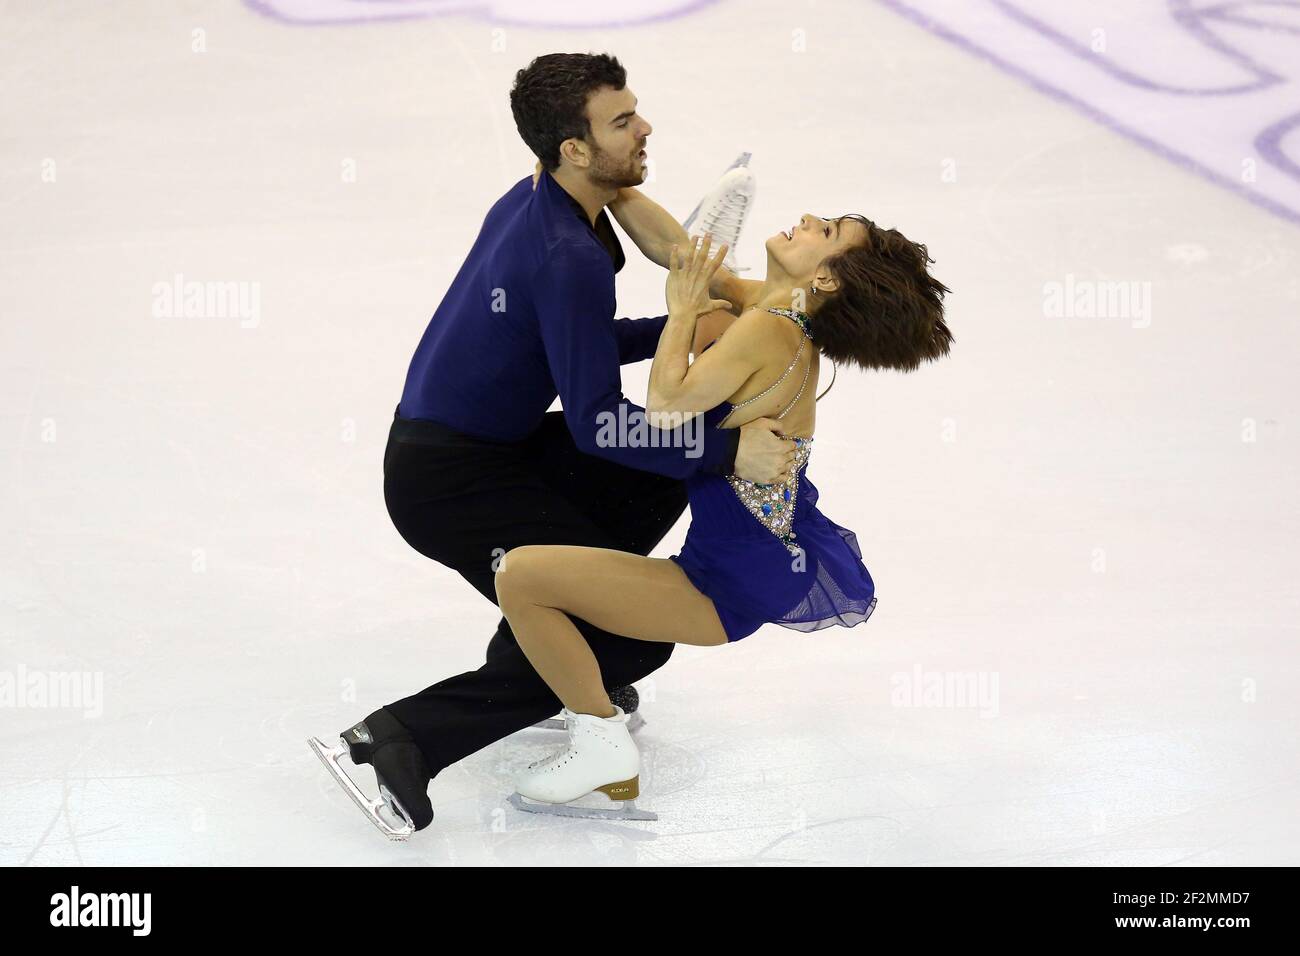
[813,580]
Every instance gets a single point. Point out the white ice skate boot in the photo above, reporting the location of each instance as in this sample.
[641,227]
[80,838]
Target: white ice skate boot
[600,759]
[722,212]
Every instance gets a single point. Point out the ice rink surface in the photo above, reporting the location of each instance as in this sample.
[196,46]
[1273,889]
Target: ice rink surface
[1082,525]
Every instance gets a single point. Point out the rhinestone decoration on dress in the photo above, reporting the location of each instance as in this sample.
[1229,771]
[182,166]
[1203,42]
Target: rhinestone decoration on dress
[773,504]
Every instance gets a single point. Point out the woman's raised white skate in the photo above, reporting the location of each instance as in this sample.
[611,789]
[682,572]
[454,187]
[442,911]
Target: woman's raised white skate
[723,211]
[601,765]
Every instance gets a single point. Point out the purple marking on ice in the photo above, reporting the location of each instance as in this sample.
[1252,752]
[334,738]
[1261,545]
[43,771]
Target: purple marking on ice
[483,10]
[1267,142]
[1187,17]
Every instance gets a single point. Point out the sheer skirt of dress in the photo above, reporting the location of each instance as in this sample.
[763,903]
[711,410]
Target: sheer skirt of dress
[751,576]
[842,593]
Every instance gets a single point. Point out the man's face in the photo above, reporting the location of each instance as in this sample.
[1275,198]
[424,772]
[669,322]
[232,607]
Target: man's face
[618,139]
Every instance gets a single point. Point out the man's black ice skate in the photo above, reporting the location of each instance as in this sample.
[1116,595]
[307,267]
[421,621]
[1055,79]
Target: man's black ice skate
[625,697]
[403,777]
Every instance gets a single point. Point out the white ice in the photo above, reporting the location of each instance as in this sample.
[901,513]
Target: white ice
[1093,520]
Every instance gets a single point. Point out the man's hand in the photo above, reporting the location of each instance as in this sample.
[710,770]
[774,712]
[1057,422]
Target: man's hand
[763,457]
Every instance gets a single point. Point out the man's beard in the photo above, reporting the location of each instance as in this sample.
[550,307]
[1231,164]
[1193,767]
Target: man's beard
[608,172]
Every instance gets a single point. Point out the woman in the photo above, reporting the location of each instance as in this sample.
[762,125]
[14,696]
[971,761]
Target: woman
[754,554]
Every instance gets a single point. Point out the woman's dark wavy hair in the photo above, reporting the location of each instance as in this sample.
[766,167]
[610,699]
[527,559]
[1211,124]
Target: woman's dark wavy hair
[549,99]
[887,312]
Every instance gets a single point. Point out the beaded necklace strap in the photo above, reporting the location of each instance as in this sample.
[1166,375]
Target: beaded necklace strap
[805,324]
[798,395]
[801,318]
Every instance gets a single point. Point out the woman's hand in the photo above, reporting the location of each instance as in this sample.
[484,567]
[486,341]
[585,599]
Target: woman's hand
[689,274]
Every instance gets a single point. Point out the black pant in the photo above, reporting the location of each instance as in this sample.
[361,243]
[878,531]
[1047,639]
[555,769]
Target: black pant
[464,502]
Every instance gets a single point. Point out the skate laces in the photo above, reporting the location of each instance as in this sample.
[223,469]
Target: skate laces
[570,727]
[547,761]
[725,220]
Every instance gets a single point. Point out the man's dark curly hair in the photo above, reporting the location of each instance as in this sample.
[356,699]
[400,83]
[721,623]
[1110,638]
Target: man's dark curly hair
[549,99]
[887,312]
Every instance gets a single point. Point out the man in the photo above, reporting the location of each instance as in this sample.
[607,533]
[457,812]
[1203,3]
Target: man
[476,466]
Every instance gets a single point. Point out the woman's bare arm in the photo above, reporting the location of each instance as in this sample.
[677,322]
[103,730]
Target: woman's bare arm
[741,293]
[680,389]
[676,384]
[655,231]
[650,225]
[708,327]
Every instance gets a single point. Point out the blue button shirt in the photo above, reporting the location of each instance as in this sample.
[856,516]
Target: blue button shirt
[530,315]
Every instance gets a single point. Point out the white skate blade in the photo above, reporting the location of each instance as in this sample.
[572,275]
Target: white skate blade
[634,723]
[627,811]
[329,756]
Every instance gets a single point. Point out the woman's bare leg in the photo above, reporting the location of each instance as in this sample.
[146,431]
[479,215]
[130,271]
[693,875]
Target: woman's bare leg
[647,599]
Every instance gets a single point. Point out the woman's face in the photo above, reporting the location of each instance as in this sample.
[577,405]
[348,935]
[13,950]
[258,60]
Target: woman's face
[802,248]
